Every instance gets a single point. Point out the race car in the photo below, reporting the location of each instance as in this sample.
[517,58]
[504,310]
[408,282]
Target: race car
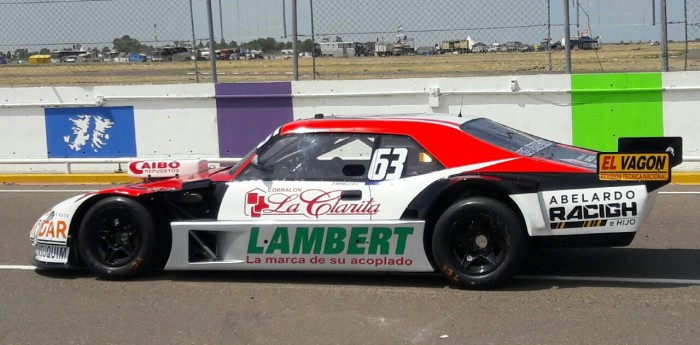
[465,196]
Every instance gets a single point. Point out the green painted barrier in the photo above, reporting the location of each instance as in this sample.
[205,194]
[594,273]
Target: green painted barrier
[606,107]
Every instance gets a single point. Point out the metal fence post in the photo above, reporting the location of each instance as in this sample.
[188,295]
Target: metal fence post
[194,46]
[313,41]
[664,37]
[295,48]
[567,37]
[685,34]
[212,54]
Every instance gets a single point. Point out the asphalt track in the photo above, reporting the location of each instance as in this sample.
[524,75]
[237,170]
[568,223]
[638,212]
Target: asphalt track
[647,293]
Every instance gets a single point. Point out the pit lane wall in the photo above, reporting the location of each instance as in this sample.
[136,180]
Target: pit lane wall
[226,120]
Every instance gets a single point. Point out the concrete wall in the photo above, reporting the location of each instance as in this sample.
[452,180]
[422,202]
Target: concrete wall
[117,123]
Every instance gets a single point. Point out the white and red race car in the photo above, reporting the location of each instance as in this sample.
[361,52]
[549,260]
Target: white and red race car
[415,193]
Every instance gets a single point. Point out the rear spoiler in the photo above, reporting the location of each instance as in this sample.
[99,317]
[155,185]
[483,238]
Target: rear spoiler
[642,159]
[672,145]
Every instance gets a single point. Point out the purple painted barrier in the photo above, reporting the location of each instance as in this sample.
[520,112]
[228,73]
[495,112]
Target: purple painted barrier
[248,112]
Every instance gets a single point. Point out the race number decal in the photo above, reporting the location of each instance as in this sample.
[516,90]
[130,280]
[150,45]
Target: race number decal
[388,163]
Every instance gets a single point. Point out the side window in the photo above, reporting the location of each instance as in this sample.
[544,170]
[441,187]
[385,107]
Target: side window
[400,156]
[313,156]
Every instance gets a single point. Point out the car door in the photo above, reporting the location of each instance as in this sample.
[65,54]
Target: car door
[400,169]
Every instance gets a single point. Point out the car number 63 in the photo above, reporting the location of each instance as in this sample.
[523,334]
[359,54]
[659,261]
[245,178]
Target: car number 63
[388,163]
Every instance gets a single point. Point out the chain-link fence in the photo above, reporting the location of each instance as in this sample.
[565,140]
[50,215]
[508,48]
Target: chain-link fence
[692,34]
[437,28]
[94,41]
[606,35]
[67,42]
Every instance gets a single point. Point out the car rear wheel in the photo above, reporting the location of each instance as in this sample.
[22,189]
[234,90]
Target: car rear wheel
[479,243]
[116,239]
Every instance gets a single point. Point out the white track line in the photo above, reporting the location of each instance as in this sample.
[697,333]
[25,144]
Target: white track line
[678,193]
[17,267]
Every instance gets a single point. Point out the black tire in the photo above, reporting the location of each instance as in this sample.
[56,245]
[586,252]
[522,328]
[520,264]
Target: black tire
[479,243]
[117,238]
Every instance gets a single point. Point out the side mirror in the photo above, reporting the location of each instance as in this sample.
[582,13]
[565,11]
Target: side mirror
[255,162]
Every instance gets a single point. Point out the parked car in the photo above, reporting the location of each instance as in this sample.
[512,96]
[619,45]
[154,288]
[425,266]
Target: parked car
[425,51]
[479,48]
[525,48]
[70,59]
[378,193]
[514,46]
[497,47]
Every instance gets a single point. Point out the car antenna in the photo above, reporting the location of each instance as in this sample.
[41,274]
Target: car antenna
[460,106]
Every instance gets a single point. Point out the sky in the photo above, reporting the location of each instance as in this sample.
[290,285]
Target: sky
[95,23]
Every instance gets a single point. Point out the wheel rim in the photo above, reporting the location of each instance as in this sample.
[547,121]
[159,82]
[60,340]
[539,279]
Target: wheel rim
[478,243]
[116,240]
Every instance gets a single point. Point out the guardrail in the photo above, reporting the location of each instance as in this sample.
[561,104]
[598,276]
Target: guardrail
[70,161]
[512,88]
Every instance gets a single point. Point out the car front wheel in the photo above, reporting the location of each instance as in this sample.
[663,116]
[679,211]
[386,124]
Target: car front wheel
[116,239]
[479,243]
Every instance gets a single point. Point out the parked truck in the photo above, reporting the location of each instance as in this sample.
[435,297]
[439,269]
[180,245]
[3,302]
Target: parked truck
[402,46]
[394,48]
[340,49]
[455,46]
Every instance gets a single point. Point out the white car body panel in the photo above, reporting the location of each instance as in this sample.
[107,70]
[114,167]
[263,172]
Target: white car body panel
[49,235]
[272,245]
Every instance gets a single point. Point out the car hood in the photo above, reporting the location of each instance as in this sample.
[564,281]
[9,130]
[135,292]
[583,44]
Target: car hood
[172,184]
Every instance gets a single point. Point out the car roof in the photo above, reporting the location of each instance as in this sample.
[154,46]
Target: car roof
[440,135]
[359,123]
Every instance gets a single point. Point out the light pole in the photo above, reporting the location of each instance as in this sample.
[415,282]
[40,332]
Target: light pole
[155,32]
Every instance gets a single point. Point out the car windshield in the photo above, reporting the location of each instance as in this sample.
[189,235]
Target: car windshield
[527,144]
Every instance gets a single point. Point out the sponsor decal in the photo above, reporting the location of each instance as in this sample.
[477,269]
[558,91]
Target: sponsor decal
[168,168]
[53,254]
[141,167]
[333,245]
[634,166]
[592,208]
[534,147]
[311,203]
[54,228]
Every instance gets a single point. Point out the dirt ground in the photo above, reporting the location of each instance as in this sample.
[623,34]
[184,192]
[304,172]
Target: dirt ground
[610,58]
